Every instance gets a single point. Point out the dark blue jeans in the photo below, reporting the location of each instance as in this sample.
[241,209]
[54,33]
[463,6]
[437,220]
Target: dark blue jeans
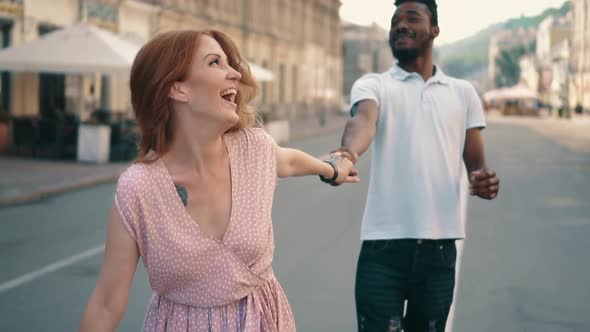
[389,272]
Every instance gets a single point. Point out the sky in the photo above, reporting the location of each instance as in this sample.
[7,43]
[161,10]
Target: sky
[457,18]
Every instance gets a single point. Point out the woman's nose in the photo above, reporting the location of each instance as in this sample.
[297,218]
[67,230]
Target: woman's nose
[234,74]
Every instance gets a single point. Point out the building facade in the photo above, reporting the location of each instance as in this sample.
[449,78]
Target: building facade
[552,54]
[299,41]
[529,72]
[365,49]
[579,67]
[551,32]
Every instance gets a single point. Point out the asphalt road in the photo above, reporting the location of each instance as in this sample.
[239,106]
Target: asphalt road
[524,267]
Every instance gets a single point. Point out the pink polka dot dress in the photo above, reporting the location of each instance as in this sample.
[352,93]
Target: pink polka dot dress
[200,283]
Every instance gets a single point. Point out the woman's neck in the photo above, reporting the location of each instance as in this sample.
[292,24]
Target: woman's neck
[201,149]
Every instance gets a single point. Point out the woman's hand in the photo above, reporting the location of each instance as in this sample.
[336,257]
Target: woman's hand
[292,162]
[346,171]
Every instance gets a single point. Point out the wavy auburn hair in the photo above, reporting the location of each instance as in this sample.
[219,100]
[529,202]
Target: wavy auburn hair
[166,59]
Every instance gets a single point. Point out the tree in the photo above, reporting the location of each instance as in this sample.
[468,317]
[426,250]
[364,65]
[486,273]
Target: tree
[508,63]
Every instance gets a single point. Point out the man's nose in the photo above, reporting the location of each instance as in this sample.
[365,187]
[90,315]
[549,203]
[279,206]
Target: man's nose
[402,28]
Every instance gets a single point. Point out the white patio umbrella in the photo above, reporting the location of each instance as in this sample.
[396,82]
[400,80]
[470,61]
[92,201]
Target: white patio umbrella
[517,92]
[78,49]
[493,95]
[260,73]
[520,92]
[82,49]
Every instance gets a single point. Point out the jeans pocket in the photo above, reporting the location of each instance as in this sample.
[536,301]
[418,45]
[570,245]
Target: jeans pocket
[448,254]
[373,247]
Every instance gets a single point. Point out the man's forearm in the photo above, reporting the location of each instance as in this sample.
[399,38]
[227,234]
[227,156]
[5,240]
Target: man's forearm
[474,165]
[358,135]
[474,155]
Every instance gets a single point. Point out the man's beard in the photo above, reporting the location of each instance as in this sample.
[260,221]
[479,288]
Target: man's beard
[405,54]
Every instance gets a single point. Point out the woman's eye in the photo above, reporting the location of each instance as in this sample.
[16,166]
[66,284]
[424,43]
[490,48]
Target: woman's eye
[214,62]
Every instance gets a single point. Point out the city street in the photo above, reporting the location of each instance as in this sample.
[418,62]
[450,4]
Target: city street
[524,266]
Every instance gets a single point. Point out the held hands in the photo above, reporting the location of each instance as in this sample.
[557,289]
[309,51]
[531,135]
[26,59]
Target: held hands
[484,183]
[345,169]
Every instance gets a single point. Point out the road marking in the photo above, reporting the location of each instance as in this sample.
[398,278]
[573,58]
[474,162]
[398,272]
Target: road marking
[60,264]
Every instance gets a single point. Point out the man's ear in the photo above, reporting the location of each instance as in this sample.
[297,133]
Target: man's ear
[177,93]
[435,30]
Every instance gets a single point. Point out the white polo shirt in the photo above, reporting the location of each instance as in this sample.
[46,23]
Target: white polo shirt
[418,184]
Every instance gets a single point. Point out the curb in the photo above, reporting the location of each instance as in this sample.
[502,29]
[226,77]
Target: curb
[56,189]
[48,191]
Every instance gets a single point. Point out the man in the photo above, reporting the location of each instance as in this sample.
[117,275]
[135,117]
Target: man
[425,128]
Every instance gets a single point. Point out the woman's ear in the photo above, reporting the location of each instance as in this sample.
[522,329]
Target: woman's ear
[177,93]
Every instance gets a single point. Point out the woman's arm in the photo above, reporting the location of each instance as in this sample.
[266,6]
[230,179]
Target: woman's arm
[292,162]
[108,301]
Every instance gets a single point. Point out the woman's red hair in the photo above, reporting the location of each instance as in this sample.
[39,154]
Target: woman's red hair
[167,59]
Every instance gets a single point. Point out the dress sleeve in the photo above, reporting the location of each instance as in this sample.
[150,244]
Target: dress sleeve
[127,200]
[262,145]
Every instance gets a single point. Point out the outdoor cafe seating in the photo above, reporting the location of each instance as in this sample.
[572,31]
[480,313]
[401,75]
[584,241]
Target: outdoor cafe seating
[57,138]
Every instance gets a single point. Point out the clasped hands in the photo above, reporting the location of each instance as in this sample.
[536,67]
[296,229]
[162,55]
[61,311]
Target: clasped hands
[343,163]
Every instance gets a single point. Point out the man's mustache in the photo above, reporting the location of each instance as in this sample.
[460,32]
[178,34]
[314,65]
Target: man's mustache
[399,35]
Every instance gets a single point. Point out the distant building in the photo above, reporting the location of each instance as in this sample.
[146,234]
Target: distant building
[552,53]
[557,91]
[365,49]
[551,32]
[529,72]
[579,69]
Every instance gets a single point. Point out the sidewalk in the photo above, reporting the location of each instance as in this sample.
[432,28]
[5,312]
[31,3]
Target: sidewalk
[25,180]
[311,127]
[573,134]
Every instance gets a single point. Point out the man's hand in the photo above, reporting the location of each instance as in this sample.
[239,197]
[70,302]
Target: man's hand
[346,171]
[484,183]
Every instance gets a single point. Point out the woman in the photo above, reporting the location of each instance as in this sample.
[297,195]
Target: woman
[196,206]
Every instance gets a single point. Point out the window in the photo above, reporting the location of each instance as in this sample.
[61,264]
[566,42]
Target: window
[265,99]
[5,82]
[52,87]
[282,80]
[294,84]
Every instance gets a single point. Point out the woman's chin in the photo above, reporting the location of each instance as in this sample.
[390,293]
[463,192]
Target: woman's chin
[231,119]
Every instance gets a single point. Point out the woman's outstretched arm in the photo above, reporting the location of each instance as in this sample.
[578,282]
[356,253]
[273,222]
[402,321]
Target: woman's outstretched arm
[293,162]
[108,301]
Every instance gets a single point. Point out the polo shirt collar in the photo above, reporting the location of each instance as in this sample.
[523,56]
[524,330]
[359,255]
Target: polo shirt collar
[402,75]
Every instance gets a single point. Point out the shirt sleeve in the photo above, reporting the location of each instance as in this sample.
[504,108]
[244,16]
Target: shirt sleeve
[127,201]
[366,87]
[475,112]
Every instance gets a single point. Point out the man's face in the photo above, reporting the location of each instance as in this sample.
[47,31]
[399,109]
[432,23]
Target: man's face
[411,32]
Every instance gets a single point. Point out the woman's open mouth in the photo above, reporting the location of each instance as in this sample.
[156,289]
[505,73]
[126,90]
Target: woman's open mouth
[229,95]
